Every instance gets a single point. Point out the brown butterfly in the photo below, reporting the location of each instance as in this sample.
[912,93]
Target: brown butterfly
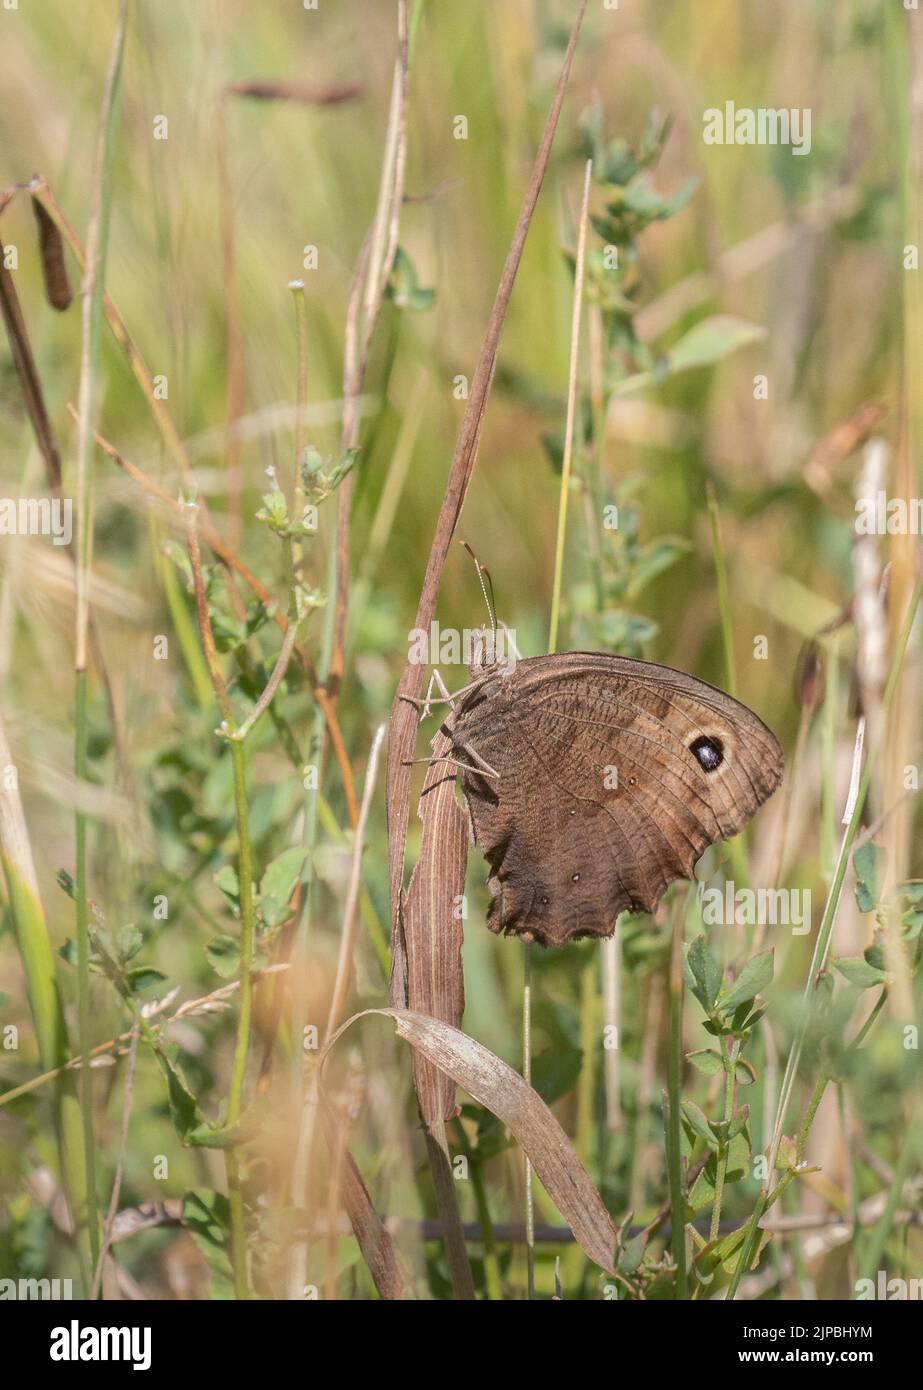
[594,781]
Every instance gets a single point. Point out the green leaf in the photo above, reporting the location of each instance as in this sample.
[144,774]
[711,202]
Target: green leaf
[209,1136]
[786,1155]
[206,1215]
[143,978]
[705,972]
[223,954]
[721,1129]
[69,952]
[730,1247]
[184,1110]
[66,881]
[278,884]
[706,1060]
[633,1254]
[859,973]
[913,925]
[875,954]
[130,940]
[344,464]
[698,1123]
[867,862]
[744,1073]
[738,1156]
[651,560]
[403,287]
[752,1019]
[706,342]
[702,1192]
[227,880]
[754,977]
[738,1122]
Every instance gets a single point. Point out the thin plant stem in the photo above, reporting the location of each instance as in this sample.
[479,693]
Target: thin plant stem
[272,685]
[242,1041]
[724,602]
[120,1167]
[527,1077]
[875,1244]
[370,284]
[674,1078]
[492,1275]
[348,933]
[552,647]
[247,915]
[729,1057]
[93,291]
[737,846]
[571,414]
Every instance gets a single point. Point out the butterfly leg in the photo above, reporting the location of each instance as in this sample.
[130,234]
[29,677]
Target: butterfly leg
[445,699]
[484,771]
[443,688]
[482,766]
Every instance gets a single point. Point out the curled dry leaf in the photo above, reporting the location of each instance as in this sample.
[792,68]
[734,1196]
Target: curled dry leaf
[51,251]
[492,1083]
[432,980]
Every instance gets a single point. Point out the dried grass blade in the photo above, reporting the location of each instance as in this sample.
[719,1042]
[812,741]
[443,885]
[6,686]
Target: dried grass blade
[432,930]
[434,982]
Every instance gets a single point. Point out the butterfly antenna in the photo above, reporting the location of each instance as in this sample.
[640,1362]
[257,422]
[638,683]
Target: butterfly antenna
[488,597]
[491,604]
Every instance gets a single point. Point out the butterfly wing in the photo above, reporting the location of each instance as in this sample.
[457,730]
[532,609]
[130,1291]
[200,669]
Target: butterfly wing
[613,777]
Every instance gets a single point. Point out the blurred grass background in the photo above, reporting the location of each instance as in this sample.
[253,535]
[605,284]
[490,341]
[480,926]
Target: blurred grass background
[810,249]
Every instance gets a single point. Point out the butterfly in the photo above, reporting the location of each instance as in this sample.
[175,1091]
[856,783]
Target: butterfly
[594,781]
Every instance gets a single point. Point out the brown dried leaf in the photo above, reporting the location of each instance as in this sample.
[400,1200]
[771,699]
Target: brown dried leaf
[24,362]
[51,251]
[433,980]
